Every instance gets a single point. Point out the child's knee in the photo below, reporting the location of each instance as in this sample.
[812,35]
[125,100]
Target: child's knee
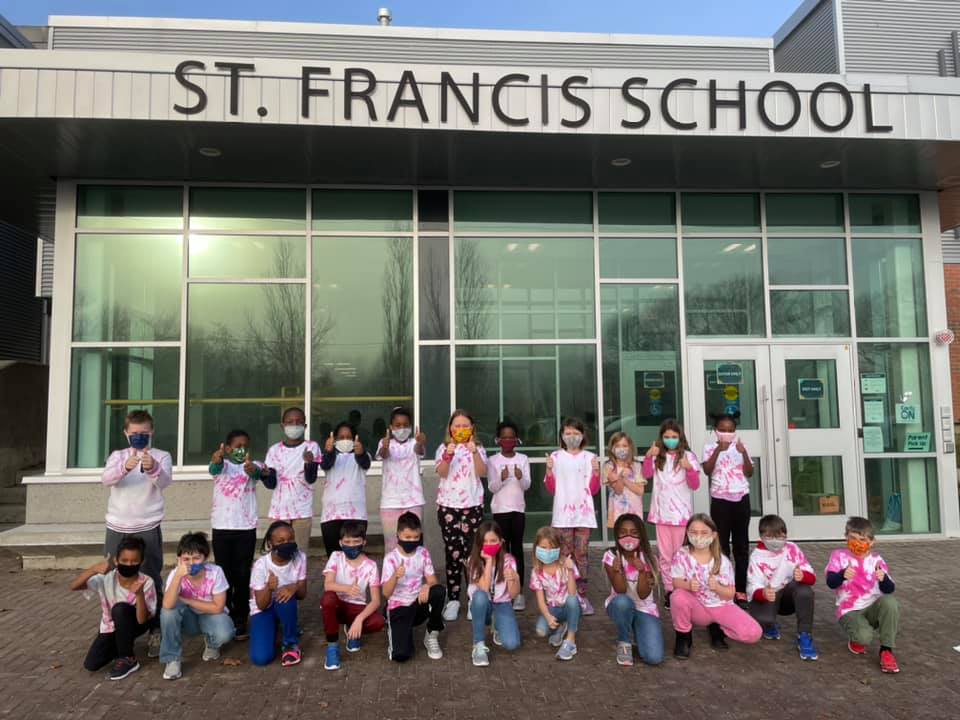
[621,603]
[261,656]
[329,600]
[222,632]
[437,594]
[888,603]
[572,605]
[170,615]
[860,633]
[803,593]
[752,632]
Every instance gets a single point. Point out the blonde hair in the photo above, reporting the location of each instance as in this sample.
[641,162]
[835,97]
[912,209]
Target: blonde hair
[615,439]
[714,546]
[551,536]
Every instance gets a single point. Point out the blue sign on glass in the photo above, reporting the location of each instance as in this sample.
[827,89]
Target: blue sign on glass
[730,374]
[653,380]
[731,408]
[656,409]
[810,388]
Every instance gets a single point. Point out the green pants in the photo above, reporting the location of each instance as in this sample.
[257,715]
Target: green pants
[883,616]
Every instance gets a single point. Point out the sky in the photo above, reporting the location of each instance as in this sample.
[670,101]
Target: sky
[741,18]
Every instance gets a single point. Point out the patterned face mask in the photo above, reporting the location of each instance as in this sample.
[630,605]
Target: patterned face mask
[238,455]
[461,435]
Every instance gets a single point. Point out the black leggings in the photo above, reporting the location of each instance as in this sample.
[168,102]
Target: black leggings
[733,518]
[119,643]
[331,533]
[457,526]
[512,524]
[233,551]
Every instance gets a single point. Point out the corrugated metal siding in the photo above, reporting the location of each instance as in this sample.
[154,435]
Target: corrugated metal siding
[345,48]
[21,313]
[812,46]
[950,241]
[45,269]
[898,36]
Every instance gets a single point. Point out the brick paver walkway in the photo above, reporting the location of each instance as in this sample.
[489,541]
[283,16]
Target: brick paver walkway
[45,631]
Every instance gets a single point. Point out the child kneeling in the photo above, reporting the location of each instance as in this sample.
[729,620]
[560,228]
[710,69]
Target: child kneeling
[494,583]
[555,584]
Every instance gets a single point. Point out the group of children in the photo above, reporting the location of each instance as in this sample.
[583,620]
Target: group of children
[233,598]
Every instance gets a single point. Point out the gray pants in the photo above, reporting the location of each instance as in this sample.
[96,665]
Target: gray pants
[793,598]
[152,559]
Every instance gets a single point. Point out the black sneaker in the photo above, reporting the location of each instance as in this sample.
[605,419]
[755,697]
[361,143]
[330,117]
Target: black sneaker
[123,667]
[718,640]
[666,600]
[242,632]
[681,650]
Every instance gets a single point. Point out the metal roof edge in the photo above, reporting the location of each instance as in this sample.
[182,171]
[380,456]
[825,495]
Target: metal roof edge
[13,35]
[792,22]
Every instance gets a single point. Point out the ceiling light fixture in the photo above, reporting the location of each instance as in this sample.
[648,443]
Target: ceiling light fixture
[621,162]
[828,164]
[210,152]
[731,247]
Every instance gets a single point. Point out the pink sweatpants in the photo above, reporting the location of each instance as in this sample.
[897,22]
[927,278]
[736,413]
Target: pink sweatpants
[388,519]
[669,540]
[736,624]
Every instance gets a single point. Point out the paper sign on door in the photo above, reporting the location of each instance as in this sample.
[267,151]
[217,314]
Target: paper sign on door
[872,439]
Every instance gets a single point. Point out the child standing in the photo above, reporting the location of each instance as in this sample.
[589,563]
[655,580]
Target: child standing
[347,577]
[194,603]
[573,478]
[703,592]
[128,599]
[461,462]
[494,584]
[508,474]
[624,479]
[554,581]
[727,463]
[278,581]
[401,451]
[413,594]
[864,588]
[780,582]
[632,571]
[285,472]
[345,463]
[676,474]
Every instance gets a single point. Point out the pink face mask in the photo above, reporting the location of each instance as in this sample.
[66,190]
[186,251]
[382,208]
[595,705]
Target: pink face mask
[628,543]
[491,550]
[726,437]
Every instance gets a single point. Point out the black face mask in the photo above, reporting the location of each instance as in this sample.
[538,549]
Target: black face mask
[128,571]
[286,551]
[409,546]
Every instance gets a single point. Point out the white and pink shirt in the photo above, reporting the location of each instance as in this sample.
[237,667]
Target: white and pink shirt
[289,574]
[500,592]
[402,485]
[136,497]
[293,496]
[110,592]
[234,498]
[727,481]
[555,587]
[461,488]
[686,567]
[775,569]
[344,490]
[212,582]
[364,575]
[418,566]
[508,494]
[575,484]
[628,501]
[864,589]
[646,605]
[671,502]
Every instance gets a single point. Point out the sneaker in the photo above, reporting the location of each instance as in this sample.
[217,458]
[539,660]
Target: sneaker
[771,632]
[354,645]
[242,632]
[741,600]
[567,650]
[469,613]
[332,660]
[171,671]
[291,655]
[451,610]
[496,638]
[681,650]
[210,653]
[888,663]
[625,654]
[519,603]
[718,640]
[808,651]
[129,665]
[556,637]
[585,606]
[431,641]
[856,648]
[153,644]
[666,599]
[480,655]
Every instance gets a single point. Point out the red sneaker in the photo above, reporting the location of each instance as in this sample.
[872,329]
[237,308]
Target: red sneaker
[856,648]
[888,663]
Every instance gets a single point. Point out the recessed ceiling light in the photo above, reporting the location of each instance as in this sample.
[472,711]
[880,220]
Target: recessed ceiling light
[731,247]
[827,164]
[210,152]
[621,162]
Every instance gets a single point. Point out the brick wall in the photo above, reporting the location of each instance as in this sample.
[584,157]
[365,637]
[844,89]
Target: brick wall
[951,273]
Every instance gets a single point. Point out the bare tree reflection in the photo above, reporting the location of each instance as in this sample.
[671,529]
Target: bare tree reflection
[473,304]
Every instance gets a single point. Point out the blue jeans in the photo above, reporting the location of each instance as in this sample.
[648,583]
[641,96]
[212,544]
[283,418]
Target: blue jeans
[637,627]
[568,613]
[184,620]
[263,630]
[500,613]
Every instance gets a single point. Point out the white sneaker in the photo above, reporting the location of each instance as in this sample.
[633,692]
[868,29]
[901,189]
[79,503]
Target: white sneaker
[153,644]
[171,671]
[496,639]
[210,653]
[451,610]
[519,603]
[469,613]
[480,655]
[431,641]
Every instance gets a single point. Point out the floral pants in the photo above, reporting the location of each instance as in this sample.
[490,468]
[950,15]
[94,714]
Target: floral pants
[457,526]
[575,542]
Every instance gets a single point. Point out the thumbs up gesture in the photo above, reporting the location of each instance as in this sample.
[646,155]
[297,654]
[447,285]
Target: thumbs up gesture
[505,473]
[385,444]
[517,472]
[653,451]
[248,465]
[549,462]
[419,437]
[769,594]
[217,457]
[328,445]
[685,463]
[357,445]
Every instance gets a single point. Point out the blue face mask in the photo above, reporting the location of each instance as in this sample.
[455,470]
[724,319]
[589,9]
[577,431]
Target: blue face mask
[548,555]
[351,551]
[671,443]
[138,441]
[197,568]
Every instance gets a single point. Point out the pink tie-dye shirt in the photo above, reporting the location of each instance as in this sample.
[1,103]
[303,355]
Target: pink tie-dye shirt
[293,496]
[500,592]
[626,502]
[864,589]
[775,569]
[461,488]
[573,501]
[212,582]
[555,587]
[344,490]
[686,567]
[646,605]
[508,494]
[727,481]
[234,498]
[671,502]
[417,567]
[289,574]
[402,486]
[110,592]
[364,575]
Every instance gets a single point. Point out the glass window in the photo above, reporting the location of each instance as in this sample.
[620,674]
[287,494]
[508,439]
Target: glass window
[817,484]
[640,329]
[730,386]
[628,258]
[636,212]
[108,383]
[434,394]
[821,313]
[247,209]
[489,211]
[807,261]
[127,288]
[362,332]
[756,489]
[884,214]
[432,210]
[248,256]
[524,288]
[902,495]
[245,363]
[896,396]
[721,212]
[129,206]
[723,281]
[804,212]
[434,287]
[888,287]
[363,210]
[811,394]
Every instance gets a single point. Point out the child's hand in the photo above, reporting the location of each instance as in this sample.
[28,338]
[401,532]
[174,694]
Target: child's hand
[505,473]
[769,594]
[695,585]
[713,583]
[248,465]
[568,562]
[685,463]
[355,591]
[450,449]
[849,573]
[550,462]
[217,457]
[617,564]
[400,571]
[595,465]
[797,574]
[881,575]
[328,445]
[419,437]
[424,595]
[509,574]
[552,622]
[272,581]
[138,584]
[104,566]
[147,462]
[132,461]
[517,472]
[722,445]
[741,448]
[385,443]
[653,451]
[471,446]
[355,630]
[307,456]
[357,445]
[285,593]
[183,568]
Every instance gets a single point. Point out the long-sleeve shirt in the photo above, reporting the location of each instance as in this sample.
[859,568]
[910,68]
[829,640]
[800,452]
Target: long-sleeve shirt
[671,502]
[775,569]
[136,497]
[864,588]
[508,494]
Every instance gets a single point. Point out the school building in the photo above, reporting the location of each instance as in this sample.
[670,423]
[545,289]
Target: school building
[239,217]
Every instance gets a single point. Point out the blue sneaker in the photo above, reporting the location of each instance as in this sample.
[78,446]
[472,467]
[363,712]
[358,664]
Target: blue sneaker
[354,645]
[332,661]
[808,651]
[771,632]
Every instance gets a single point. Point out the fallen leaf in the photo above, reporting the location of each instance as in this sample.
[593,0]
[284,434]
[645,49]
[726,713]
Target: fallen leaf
[56,666]
[232,662]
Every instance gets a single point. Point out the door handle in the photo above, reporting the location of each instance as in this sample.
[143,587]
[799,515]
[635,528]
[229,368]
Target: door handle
[771,475]
[786,438]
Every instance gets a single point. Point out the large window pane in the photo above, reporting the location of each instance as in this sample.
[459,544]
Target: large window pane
[629,258]
[129,207]
[246,256]
[363,210]
[804,212]
[819,313]
[817,485]
[127,288]
[723,280]
[637,212]
[434,288]
[716,212]
[245,363]
[486,211]
[642,387]
[247,209]
[807,261]
[362,332]
[108,383]
[434,393]
[816,410]
[884,214]
[902,495]
[896,396]
[888,287]
[723,395]
[521,288]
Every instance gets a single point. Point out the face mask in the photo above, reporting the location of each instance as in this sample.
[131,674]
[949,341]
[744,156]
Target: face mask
[671,443]
[508,444]
[238,455]
[628,543]
[286,551]
[548,555]
[351,551]
[621,453]
[700,542]
[726,437]
[294,432]
[858,547]
[401,434]
[344,446]
[491,550]
[128,571]
[139,441]
[774,544]
[197,568]
[461,435]
[408,546]
[572,440]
